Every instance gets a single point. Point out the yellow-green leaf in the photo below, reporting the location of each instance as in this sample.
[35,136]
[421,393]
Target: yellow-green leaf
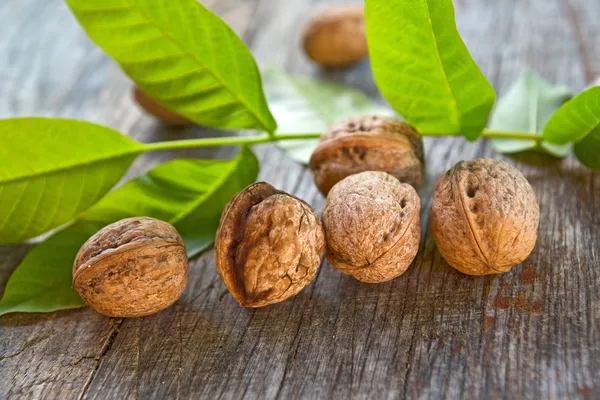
[53,169]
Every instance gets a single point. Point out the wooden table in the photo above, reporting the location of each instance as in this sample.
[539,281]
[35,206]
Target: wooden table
[533,332]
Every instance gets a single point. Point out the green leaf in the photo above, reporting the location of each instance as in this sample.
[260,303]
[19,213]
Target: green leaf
[53,169]
[526,108]
[305,105]
[578,121]
[188,193]
[424,69]
[182,55]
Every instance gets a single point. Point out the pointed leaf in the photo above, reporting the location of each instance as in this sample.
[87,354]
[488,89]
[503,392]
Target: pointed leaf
[52,169]
[526,107]
[182,55]
[578,121]
[188,193]
[306,105]
[424,69]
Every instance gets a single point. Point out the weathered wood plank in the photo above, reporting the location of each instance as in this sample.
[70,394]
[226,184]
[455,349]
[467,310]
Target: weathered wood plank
[431,333]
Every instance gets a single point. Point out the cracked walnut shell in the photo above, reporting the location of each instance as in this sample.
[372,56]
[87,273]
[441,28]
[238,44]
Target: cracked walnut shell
[484,217]
[335,36]
[131,268]
[269,245]
[372,227]
[368,143]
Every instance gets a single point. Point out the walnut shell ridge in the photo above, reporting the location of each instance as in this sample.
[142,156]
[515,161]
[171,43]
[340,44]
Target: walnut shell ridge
[484,217]
[269,245]
[368,143]
[336,36]
[163,113]
[131,268]
[372,226]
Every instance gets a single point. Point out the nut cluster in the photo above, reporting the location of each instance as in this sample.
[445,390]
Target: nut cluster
[335,37]
[368,143]
[484,217]
[269,244]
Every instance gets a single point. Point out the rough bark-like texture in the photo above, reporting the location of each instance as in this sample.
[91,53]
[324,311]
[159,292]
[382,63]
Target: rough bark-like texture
[335,36]
[484,217]
[131,268]
[268,246]
[372,226]
[431,333]
[368,143]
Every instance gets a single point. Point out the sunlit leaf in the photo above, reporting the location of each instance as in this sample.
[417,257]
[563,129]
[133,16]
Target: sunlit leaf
[578,121]
[53,169]
[188,193]
[182,55]
[424,69]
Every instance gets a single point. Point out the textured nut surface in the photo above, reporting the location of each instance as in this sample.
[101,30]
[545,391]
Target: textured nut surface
[372,228]
[335,36]
[484,217]
[133,267]
[368,143]
[268,246]
[161,112]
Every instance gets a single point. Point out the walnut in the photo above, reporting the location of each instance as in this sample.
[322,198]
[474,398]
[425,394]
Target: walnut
[268,246]
[368,143]
[153,107]
[484,217]
[335,36]
[372,228]
[131,268]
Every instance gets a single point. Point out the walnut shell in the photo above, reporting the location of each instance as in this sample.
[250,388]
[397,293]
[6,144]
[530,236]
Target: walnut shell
[335,36]
[372,227]
[131,268]
[153,107]
[368,143]
[268,246]
[484,217]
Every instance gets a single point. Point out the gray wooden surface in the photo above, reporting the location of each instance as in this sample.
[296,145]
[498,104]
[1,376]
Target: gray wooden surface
[432,333]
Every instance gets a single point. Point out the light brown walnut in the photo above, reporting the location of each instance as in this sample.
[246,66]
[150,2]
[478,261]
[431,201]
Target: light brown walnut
[368,143]
[335,36]
[131,268]
[269,245]
[484,217]
[372,227]
[153,107]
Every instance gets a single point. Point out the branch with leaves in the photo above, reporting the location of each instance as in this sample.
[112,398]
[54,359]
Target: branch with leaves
[57,172]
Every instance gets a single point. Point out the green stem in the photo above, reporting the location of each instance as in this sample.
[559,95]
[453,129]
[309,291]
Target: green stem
[538,137]
[263,138]
[227,141]
[491,134]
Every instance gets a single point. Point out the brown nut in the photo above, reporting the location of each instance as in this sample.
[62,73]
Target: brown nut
[368,143]
[131,268]
[484,217]
[335,37]
[268,246]
[372,227]
[161,112]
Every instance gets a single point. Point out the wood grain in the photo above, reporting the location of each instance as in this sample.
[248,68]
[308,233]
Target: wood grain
[432,333]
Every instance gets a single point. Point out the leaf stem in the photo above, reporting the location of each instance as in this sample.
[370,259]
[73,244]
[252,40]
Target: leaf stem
[227,141]
[264,138]
[488,133]
[491,134]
